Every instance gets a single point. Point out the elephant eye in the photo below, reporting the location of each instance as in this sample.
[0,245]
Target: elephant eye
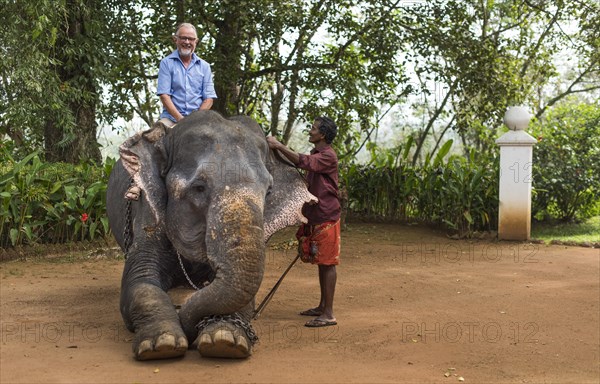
[200,188]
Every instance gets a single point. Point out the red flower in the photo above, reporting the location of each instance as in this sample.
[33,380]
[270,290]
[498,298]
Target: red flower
[84,217]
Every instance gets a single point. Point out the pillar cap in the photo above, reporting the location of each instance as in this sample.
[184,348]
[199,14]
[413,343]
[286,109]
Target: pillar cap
[517,118]
[516,139]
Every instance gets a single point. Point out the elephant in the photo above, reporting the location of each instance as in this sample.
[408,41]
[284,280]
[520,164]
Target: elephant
[211,195]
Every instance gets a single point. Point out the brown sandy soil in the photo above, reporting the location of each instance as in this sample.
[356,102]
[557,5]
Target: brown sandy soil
[412,306]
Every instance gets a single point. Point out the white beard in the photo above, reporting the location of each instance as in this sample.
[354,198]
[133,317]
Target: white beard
[185,52]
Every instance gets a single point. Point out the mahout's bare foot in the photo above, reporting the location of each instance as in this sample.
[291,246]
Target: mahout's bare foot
[312,312]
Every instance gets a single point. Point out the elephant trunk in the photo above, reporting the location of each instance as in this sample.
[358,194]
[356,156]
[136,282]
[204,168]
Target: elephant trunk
[236,251]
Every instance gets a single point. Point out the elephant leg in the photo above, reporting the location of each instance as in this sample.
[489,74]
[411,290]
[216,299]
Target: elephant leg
[150,314]
[227,336]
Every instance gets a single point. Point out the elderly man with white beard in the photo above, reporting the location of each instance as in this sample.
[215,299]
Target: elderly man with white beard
[185,81]
[185,84]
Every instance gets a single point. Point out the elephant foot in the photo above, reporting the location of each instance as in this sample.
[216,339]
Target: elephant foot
[164,346]
[225,339]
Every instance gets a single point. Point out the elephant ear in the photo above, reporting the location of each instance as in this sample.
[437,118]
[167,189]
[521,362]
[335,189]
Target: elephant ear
[144,157]
[283,207]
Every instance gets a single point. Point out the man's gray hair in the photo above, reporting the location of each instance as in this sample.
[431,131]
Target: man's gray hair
[185,25]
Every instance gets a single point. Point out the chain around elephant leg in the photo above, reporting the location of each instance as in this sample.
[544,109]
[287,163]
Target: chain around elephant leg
[228,336]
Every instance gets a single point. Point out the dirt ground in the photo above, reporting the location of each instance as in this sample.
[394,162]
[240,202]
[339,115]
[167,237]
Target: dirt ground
[412,306]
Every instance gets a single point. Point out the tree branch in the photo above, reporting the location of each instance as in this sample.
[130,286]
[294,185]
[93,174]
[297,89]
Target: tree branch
[570,89]
[432,120]
[539,42]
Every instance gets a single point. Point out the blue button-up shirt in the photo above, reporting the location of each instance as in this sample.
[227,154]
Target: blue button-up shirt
[188,87]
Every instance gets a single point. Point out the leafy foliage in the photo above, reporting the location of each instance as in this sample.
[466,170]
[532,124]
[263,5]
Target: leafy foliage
[50,75]
[51,202]
[455,64]
[279,62]
[460,194]
[566,162]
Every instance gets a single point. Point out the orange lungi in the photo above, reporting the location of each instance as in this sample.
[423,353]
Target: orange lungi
[319,244]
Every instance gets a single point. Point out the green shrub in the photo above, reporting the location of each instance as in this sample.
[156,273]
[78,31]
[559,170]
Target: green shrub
[566,163]
[51,202]
[459,194]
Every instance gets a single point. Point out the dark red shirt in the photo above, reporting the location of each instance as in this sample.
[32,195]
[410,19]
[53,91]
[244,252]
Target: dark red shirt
[322,177]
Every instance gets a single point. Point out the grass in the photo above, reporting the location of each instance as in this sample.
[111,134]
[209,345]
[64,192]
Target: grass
[14,272]
[585,232]
[64,253]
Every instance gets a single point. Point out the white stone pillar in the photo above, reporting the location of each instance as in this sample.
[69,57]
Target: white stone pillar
[516,151]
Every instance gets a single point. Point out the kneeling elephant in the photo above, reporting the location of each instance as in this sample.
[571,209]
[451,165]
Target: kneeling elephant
[211,195]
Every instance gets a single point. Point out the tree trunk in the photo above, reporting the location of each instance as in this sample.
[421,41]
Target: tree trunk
[75,72]
[276,101]
[227,67]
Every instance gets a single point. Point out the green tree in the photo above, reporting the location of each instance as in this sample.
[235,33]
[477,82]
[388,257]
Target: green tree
[51,74]
[283,62]
[280,62]
[484,56]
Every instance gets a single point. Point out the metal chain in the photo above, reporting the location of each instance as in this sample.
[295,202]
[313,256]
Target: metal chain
[127,238]
[234,319]
[187,277]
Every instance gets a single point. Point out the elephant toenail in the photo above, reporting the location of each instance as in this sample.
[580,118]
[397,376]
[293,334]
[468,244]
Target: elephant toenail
[205,339]
[225,336]
[144,346]
[242,343]
[165,340]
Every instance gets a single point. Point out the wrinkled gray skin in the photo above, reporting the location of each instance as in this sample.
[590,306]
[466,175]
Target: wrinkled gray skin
[214,193]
